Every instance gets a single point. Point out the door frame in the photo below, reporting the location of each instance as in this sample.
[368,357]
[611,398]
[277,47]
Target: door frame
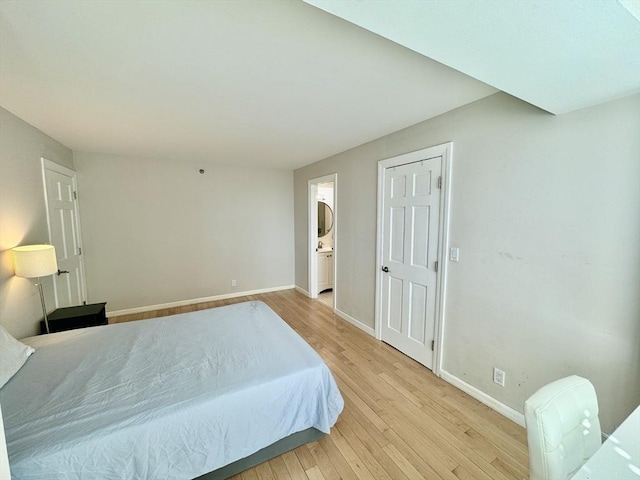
[445,151]
[49,165]
[312,200]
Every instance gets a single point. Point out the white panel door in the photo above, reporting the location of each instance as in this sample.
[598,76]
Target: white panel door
[64,233]
[409,252]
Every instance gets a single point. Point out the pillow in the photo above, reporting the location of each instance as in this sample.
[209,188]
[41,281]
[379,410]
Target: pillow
[13,355]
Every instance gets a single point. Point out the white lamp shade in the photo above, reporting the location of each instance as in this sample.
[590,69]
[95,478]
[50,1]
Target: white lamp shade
[32,261]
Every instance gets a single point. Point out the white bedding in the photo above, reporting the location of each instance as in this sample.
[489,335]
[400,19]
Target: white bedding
[168,398]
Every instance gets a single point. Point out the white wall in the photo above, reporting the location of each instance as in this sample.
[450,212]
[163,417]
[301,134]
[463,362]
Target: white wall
[23,217]
[158,232]
[546,212]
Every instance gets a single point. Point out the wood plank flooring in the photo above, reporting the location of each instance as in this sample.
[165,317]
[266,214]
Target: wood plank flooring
[399,422]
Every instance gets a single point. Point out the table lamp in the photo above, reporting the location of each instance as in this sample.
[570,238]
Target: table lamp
[35,261]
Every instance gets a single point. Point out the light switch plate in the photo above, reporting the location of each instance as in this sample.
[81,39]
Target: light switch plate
[454,254]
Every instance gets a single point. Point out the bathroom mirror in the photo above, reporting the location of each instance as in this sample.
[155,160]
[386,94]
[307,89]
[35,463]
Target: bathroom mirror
[325,219]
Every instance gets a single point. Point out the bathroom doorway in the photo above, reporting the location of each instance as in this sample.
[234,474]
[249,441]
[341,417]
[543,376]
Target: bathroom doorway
[322,239]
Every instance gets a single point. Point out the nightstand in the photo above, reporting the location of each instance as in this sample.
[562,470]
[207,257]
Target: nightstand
[81,316]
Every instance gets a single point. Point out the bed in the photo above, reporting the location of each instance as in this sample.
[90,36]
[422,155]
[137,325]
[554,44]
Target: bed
[207,392]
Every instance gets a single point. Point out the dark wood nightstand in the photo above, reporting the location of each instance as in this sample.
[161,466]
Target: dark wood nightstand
[81,316]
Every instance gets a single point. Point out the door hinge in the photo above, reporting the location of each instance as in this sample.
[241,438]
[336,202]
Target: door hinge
[439,182]
[435,264]
[79,250]
[75,195]
[433,344]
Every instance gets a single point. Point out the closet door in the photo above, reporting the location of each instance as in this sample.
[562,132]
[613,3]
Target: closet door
[409,253]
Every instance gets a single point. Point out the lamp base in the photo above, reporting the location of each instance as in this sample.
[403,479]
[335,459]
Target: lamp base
[44,307]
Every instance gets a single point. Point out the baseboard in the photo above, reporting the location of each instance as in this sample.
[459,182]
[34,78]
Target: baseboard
[344,316]
[181,303]
[481,396]
[302,290]
[354,322]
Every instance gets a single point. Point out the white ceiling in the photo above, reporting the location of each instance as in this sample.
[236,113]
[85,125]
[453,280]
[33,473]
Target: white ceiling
[249,83]
[274,83]
[560,55]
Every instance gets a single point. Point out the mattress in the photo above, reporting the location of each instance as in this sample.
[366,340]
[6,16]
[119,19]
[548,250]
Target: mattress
[169,398]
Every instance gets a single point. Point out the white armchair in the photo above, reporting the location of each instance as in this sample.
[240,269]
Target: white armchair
[563,429]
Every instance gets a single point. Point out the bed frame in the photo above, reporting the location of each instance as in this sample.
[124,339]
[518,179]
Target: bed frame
[267,453]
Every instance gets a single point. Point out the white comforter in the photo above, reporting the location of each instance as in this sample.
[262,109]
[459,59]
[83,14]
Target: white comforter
[169,398]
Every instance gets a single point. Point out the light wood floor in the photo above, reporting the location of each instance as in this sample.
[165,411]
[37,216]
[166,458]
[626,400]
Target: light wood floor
[399,422]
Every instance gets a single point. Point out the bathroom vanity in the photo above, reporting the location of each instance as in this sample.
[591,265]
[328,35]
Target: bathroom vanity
[325,269]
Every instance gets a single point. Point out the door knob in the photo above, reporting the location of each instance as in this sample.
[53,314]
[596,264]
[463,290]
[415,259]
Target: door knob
[385,269]
[60,272]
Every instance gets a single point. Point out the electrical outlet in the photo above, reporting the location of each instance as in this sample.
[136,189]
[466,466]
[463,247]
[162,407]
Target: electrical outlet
[234,283]
[498,376]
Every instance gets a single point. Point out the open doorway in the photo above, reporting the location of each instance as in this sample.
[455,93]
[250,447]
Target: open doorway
[322,239]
